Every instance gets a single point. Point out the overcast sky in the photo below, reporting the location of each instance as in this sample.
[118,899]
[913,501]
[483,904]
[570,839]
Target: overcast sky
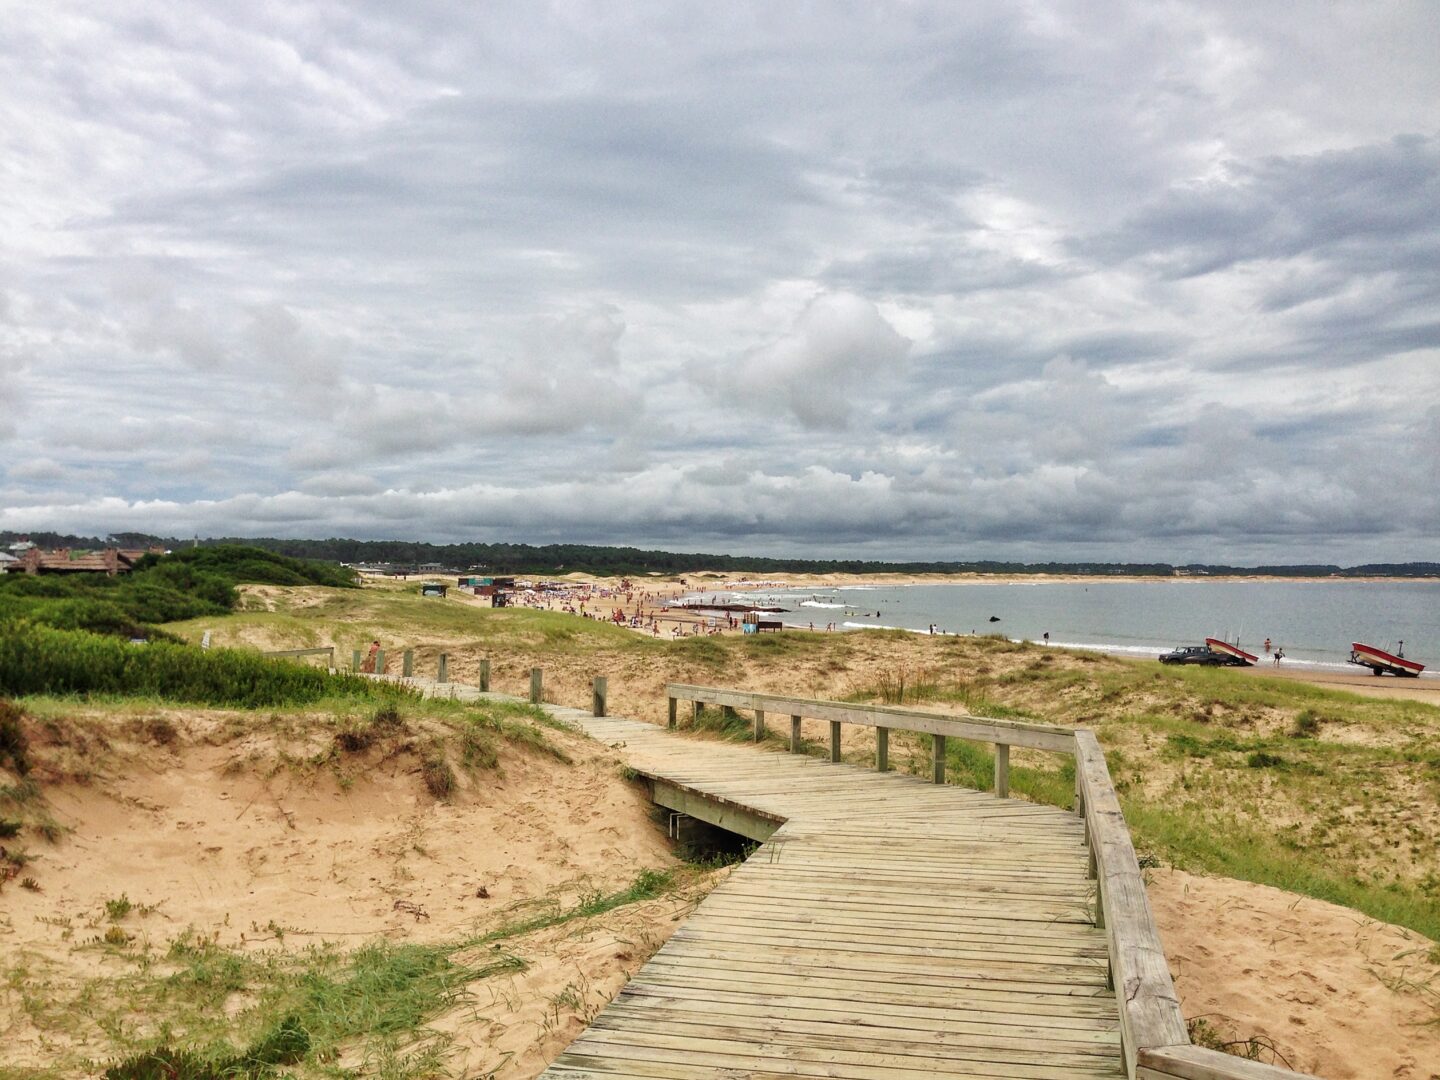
[911,280]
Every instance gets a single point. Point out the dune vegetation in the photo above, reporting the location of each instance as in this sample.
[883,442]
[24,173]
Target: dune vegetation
[1275,781]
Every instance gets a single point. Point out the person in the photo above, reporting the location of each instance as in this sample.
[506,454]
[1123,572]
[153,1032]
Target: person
[368,666]
[1279,655]
[1046,636]
[1267,646]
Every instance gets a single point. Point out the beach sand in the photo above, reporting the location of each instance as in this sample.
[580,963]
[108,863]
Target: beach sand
[1335,993]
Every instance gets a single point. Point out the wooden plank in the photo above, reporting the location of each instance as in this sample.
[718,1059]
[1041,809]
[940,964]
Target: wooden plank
[795,744]
[882,749]
[899,1043]
[1002,770]
[937,758]
[900,1015]
[1197,1063]
[834,740]
[759,724]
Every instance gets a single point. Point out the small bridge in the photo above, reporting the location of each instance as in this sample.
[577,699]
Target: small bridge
[890,927]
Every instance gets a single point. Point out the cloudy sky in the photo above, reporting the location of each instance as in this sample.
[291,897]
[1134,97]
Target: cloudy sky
[907,280]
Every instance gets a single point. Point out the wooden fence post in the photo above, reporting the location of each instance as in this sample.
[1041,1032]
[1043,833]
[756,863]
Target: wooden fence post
[536,686]
[355,662]
[795,735]
[882,749]
[759,724]
[485,675]
[1002,770]
[674,706]
[938,757]
[380,662]
[597,696]
[407,663]
[444,673]
[834,740]
[697,712]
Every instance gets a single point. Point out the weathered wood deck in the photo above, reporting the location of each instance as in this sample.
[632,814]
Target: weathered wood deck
[890,928]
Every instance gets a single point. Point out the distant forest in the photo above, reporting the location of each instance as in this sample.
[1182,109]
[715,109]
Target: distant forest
[600,560]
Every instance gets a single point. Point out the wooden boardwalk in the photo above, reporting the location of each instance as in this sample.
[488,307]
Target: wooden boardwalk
[889,929]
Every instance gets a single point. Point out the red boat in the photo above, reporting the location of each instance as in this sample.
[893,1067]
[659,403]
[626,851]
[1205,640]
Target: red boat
[1379,661]
[1237,655]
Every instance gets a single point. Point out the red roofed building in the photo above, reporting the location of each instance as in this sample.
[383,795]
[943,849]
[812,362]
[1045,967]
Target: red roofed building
[110,562]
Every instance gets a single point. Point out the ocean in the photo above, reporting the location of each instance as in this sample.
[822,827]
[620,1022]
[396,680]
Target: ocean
[1314,621]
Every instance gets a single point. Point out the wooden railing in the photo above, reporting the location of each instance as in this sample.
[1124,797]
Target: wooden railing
[1003,734]
[1153,1036]
[327,651]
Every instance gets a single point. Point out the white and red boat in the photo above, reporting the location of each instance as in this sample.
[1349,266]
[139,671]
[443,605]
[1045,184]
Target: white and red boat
[1236,654]
[1379,661]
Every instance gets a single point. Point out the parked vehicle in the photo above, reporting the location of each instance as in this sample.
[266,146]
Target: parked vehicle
[1199,654]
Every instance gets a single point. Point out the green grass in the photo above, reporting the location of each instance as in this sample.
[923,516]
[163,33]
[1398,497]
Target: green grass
[37,659]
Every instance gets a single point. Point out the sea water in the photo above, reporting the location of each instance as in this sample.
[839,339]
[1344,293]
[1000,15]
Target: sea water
[1314,621]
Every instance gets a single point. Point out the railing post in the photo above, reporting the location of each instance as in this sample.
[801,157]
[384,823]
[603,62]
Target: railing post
[536,686]
[1079,790]
[674,706]
[355,662]
[834,740]
[795,734]
[759,724]
[696,713]
[485,675]
[407,663]
[332,658]
[938,757]
[597,696]
[443,675]
[379,661]
[1002,770]
[882,749]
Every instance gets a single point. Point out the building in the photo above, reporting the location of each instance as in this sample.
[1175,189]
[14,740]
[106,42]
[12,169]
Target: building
[111,561]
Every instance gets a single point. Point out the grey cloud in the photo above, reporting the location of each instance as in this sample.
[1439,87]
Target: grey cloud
[763,278]
[1370,207]
[837,349]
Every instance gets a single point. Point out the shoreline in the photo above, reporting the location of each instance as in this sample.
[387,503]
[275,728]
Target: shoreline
[840,581]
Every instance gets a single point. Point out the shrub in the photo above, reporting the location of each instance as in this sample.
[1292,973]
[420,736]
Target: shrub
[186,585]
[37,659]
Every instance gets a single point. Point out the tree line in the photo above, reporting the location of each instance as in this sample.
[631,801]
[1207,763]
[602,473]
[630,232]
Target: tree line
[599,559]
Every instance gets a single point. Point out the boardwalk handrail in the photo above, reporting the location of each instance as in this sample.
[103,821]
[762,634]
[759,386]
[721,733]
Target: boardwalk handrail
[324,650]
[1154,1039]
[1150,1012]
[1060,740]
[883,718]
